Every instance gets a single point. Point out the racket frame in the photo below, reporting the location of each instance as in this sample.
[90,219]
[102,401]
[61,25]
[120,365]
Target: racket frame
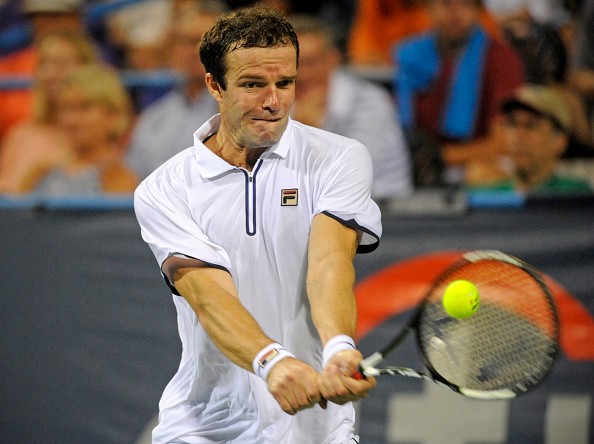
[368,366]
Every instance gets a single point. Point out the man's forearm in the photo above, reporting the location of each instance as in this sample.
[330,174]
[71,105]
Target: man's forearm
[333,305]
[230,326]
[331,277]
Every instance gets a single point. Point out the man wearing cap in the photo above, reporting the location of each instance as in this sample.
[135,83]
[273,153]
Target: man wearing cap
[448,84]
[535,136]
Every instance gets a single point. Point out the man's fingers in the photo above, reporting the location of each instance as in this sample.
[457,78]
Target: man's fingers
[294,385]
[332,385]
[340,389]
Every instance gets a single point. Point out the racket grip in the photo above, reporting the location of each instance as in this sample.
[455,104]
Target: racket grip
[359,375]
[369,364]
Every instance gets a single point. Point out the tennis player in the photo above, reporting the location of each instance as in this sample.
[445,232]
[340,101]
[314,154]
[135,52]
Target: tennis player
[255,228]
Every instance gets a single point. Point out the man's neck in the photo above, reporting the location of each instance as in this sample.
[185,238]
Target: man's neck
[448,46]
[240,157]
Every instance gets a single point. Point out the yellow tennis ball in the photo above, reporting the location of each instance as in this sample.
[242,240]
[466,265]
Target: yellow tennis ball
[461,299]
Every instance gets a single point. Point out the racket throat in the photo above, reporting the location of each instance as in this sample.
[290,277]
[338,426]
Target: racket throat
[368,364]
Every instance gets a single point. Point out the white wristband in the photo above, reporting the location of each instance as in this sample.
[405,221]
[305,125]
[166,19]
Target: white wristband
[268,357]
[336,344]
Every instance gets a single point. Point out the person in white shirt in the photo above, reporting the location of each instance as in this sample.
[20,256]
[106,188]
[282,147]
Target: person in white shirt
[165,127]
[331,98]
[255,229]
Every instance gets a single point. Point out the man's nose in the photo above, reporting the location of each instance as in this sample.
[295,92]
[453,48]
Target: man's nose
[271,100]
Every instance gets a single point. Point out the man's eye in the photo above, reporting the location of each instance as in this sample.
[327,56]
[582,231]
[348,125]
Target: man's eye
[250,85]
[285,83]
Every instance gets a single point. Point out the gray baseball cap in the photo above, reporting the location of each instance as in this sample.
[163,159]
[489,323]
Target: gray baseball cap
[542,100]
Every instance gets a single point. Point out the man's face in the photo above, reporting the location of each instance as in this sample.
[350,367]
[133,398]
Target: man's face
[184,55]
[317,60]
[260,92]
[533,142]
[56,59]
[88,123]
[454,19]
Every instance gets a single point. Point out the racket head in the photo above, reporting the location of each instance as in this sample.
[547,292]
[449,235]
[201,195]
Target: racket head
[504,349]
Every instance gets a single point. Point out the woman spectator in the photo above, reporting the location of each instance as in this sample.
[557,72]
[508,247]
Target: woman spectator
[94,110]
[38,143]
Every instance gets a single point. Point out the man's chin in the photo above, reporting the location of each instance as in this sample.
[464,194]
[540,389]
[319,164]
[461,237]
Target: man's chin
[270,136]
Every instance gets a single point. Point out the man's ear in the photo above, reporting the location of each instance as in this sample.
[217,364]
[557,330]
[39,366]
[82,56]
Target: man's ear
[214,88]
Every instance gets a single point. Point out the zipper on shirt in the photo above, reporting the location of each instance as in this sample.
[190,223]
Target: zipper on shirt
[250,198]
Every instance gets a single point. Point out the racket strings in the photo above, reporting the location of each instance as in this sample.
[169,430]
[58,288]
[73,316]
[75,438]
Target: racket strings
[508,286]
[508,343]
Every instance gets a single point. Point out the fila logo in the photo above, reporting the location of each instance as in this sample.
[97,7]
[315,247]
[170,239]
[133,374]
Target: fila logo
[289,197]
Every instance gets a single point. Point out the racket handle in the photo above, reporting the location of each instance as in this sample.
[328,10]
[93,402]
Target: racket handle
[359,375]
[368,363]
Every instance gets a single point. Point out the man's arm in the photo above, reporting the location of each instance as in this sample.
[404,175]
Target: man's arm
[330,281]
[479,149]
[212,295]
[583,81]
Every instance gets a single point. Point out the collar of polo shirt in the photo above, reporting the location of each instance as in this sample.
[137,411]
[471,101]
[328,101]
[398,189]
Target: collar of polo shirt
[210,165]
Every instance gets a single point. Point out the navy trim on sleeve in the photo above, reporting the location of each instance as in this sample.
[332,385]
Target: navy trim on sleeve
[352,223]
[211,265]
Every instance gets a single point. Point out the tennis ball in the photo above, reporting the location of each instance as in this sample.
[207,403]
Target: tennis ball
[461,299]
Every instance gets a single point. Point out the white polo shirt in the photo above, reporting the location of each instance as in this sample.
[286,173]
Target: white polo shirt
[256,226]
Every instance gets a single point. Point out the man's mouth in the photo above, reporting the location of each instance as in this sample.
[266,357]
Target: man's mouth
[266,119]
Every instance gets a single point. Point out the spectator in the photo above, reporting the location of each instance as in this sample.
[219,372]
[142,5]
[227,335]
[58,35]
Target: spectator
[45,17]
[515,14]
[166,126]
[338,15]
[38,143]
[94,109]
[141,29]
[138,34]
[582,72]
[449,84]
[328,97]
[535,137]
[529,27]
[380,24]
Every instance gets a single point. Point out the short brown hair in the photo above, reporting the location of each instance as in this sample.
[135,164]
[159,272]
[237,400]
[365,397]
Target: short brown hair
[244,28]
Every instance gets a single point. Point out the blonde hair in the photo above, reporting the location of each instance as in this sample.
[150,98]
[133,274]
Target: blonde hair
[85,54]
[101,85]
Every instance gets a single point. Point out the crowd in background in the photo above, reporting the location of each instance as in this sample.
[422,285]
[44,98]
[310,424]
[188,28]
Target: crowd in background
[490,95]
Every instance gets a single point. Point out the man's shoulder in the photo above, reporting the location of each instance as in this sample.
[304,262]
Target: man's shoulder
[316,146]
[413,42]
[173,168]
[312,138]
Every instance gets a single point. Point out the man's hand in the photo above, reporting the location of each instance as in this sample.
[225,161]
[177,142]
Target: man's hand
[336,381]
[294,385]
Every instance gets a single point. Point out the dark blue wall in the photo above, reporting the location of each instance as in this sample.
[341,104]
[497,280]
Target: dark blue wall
[89,335]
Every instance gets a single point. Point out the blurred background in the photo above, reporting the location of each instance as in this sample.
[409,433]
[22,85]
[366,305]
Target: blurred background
[478,116]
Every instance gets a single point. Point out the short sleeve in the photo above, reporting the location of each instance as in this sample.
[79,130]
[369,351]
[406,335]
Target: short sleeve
[345,195]
[168,228]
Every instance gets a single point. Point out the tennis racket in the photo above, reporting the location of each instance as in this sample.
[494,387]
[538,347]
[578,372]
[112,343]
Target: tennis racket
[503,350]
